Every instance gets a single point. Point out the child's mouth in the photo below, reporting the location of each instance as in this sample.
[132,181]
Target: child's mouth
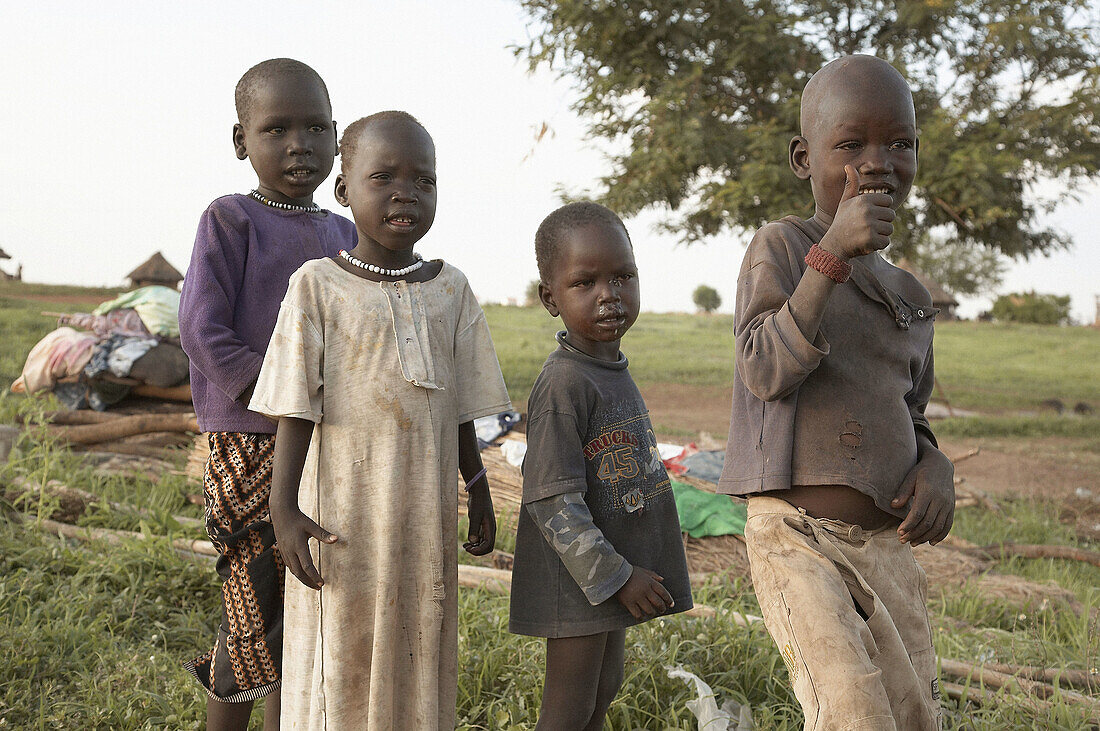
[401,222]
[875,189]
[611,322]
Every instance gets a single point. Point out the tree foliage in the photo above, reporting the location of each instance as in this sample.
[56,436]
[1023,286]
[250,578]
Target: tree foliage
[958,266]
[1040,309]
[706,298]
[698,99]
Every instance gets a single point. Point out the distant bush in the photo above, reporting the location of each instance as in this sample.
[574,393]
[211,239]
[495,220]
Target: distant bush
[706,298]
[531,294]
[1039,309]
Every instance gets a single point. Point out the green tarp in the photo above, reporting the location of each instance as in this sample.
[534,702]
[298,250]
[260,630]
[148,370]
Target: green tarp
[706,514]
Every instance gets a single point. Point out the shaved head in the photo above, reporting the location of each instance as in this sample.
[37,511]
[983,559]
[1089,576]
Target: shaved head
[865,77]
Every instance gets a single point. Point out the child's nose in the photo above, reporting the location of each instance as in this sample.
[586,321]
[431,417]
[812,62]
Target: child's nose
[299,144]
[405,194]
[876,160]
[609,291]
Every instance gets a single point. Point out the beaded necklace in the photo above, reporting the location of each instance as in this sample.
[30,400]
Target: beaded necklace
[260,197]
[379,270]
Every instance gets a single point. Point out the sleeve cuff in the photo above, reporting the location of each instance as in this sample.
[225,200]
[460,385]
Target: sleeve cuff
[808,355]
[604,591]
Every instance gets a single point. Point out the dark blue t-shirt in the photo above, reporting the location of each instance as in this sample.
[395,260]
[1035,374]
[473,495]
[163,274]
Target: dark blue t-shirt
[588,431]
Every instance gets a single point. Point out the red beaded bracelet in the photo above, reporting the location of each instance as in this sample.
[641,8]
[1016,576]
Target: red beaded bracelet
[831,265]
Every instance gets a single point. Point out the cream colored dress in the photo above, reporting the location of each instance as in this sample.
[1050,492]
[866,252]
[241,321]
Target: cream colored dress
[387,371]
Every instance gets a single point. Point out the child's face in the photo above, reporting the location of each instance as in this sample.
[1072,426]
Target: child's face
[594,288]
[289,138]
[390,185]
[868,123]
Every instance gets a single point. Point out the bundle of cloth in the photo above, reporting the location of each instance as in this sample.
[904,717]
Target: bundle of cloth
[131,339]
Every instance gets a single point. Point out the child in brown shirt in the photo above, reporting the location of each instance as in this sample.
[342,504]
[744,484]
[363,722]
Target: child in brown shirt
[828,436]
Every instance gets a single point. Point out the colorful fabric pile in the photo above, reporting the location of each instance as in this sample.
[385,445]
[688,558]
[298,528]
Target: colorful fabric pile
[129,340]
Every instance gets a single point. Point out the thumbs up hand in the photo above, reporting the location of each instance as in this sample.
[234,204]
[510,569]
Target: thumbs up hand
[863,221]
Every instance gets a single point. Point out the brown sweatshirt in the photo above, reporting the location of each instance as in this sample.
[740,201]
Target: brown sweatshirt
[840,410]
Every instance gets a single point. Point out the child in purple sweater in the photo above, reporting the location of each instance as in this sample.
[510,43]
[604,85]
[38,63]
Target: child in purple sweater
[246,248]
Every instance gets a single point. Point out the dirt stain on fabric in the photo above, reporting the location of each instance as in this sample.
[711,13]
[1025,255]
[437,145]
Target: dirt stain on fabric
[394,408]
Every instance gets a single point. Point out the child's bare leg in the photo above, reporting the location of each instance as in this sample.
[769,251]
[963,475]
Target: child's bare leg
[272,708]
[227,716]
[611,678]
[232,716]
[576,693]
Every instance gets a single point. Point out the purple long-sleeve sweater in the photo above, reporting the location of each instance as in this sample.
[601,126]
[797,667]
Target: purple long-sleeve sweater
[244,255]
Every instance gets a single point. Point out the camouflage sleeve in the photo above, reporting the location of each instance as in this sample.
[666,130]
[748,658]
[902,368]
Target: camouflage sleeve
[566,524]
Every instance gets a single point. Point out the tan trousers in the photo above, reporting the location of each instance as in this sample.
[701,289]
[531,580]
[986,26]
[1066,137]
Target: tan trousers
[848,672]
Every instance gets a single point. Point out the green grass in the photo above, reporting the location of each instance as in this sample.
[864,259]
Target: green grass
[1026,427]
[992,368]
[995,369]
[93,635]
[663,348]
[1007,367]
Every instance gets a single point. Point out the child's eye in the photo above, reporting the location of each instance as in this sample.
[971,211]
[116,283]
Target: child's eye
[276,131]
[318,128]
[426,182]
[583,283]
[902,145]
[849,146]
[382,177]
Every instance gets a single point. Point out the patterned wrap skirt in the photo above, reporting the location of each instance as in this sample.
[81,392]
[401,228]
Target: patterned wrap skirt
[246,661]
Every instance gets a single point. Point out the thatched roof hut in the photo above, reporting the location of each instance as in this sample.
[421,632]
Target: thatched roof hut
[155,270]
[940,297]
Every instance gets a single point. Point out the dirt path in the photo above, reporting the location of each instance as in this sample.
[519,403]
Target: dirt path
[679,411]
[1051,467]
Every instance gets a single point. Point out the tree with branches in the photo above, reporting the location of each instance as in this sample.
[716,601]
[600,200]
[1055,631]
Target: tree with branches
[697,100]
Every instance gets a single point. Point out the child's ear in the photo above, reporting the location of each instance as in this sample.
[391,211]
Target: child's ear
[238,141]
[340,192]
[336,137]
[546,297]
[799,157]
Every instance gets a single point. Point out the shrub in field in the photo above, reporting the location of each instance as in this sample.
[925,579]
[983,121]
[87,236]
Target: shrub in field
[706,298]
[1039,309]
[531,294]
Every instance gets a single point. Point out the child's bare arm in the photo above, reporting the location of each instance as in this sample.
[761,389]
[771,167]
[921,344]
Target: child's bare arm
[293,528]
[931,486]
[479,503]
[779,311]
[862,224]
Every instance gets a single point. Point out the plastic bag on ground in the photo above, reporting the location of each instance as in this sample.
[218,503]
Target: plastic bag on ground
[730,717]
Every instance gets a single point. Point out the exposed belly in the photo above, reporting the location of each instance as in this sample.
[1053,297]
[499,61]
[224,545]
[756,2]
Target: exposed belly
[838,502]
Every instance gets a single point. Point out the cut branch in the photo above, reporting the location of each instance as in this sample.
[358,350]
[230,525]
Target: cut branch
[125,427]
[994,679]
[1028,550]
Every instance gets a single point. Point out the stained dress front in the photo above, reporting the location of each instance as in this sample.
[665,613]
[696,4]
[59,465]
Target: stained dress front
[387,371]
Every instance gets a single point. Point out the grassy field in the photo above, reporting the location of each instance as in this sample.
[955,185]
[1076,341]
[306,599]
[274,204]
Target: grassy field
[994,369]
[93,635]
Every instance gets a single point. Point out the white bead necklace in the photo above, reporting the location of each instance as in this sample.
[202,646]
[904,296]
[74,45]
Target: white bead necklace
[379,270]
[258,196]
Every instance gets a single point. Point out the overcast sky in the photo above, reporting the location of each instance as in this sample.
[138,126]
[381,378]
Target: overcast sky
[119,116]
